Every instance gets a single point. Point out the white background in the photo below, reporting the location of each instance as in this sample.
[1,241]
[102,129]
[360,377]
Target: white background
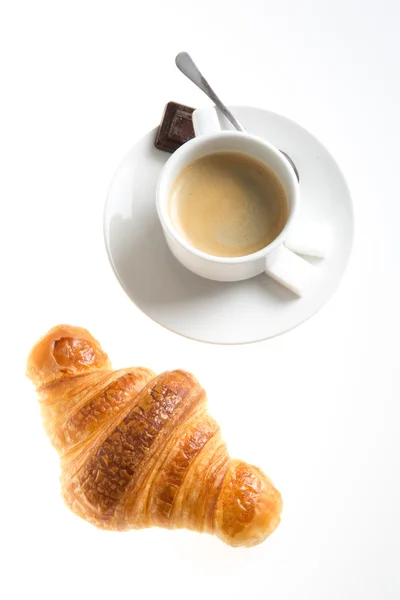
[318,408]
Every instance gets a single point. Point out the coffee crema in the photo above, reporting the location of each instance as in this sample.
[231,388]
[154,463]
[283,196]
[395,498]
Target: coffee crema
[228,204]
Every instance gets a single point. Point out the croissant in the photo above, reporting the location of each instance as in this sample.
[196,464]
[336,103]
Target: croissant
[139,450]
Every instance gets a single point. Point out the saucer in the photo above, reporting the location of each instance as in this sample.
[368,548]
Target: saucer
[211,311]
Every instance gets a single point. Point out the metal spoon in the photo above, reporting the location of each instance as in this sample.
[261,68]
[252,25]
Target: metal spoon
[185,64]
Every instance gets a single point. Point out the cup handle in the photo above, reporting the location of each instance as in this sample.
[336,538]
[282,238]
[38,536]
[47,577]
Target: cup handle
[307,237]
[311,238]
[291,271]
[205,121]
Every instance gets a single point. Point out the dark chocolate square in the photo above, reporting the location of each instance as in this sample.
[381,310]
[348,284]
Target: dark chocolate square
[176,127]
[181,129]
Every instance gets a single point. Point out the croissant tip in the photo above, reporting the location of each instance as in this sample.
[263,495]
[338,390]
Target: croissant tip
[249,506]
[65,350]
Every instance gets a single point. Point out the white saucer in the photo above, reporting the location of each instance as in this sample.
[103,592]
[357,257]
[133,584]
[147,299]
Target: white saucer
[209,311]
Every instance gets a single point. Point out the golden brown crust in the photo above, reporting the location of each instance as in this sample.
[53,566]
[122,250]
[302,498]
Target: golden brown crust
[97,411]
[249,506]
[139,450]
[171,476]
[65,351]
[113,471]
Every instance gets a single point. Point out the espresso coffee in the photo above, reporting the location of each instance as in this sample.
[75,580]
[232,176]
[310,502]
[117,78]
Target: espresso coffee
[228,204]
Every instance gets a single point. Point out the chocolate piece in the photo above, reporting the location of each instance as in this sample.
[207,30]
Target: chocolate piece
[176,127]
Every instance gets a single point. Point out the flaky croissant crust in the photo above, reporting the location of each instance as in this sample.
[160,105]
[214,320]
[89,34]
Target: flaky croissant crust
[139,450]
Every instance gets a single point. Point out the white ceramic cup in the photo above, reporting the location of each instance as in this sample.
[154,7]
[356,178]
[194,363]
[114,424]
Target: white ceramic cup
[276,260]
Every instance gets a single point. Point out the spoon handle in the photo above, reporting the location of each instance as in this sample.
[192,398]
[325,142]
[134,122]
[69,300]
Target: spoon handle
[185,64]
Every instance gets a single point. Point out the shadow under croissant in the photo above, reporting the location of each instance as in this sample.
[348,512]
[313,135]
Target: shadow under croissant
[139,450]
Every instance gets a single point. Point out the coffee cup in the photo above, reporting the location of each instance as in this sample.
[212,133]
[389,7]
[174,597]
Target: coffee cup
[275,259]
